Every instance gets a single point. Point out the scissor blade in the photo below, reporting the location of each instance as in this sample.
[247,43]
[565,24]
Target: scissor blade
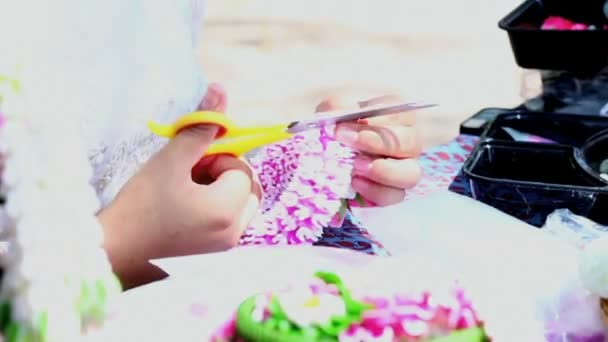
[335,117]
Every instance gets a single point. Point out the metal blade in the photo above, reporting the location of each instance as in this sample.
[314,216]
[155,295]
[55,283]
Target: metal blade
[335,117]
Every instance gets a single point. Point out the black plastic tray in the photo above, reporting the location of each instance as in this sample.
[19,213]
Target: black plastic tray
[479,122]
[567,129]
[575,51]
[559,171]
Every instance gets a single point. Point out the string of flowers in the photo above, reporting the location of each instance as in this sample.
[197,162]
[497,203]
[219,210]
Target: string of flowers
[57,280]
[306,182]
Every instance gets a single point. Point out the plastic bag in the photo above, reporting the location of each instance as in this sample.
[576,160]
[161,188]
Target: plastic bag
[531,276]
[574,229]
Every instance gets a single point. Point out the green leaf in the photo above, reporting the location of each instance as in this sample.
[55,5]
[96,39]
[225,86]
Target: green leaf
[343,209]
[276,310]
[284,326]
[329,277]
[84,298]
[101,292]
[5,315]
[360,200]
[271,323]
[91,303]
[468,335]
[43,325]
[311,333]
[355,307]
[15,333]
[336,326]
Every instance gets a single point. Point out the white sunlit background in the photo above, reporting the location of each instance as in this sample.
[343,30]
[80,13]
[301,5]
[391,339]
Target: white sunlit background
[280,57]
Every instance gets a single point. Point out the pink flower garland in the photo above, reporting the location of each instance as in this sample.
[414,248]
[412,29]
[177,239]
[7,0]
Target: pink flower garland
[304,180]
[416,316]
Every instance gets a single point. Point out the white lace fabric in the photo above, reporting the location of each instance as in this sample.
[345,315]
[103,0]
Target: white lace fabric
[92,75]
[133,61]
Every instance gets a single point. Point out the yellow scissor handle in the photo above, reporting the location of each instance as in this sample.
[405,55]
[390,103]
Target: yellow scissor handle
[234,140]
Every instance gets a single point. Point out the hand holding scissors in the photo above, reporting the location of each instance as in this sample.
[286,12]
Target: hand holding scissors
[235,140]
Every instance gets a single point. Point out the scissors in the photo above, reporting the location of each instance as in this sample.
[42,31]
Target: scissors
[236,140]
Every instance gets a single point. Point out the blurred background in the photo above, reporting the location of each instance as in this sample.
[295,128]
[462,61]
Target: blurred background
[279,58]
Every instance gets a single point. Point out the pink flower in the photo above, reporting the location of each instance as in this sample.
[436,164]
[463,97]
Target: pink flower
[304,180]
[557,23]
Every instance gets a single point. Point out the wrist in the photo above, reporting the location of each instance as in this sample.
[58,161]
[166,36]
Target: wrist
[125,250]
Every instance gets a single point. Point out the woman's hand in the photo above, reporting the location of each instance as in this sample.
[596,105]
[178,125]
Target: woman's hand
[386,167]
[178,204]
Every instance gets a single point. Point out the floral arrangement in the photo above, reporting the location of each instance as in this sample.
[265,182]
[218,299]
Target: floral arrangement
[306,183]
[48,294]
[327,310]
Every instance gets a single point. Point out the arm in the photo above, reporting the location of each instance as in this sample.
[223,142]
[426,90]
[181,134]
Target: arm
[129,262]
[165,209]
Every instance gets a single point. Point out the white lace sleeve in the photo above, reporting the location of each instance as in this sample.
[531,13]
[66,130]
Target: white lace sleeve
[163,78]
[134,61]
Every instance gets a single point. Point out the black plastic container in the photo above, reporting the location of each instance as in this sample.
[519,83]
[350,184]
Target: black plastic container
[575,51]
[530,180]
[567,129]
[479,122]
[520,179]
[593,154]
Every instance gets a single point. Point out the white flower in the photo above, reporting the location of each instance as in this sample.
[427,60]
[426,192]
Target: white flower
[303,213]
[325,204]
[311,162]
[290,223]
[279,239]
[279,211]
[290,199]
[305,308]
[307,234]
[305,191]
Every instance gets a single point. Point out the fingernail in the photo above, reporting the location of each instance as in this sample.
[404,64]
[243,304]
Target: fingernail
[362,165]
[214,99]
[209,101]
[347,136]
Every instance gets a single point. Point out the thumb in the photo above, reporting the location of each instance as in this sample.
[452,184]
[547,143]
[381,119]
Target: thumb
[190,144]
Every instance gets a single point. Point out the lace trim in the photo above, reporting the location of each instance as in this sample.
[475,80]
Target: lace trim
[115,165]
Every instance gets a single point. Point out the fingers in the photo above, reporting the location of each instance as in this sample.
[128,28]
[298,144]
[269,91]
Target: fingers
[396,173]
[217,165]
[393,141]
[227,196]
[384,169]
[236,231]
[379,194]
[189,145]
[229,192]
[390,135]
[406,118]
